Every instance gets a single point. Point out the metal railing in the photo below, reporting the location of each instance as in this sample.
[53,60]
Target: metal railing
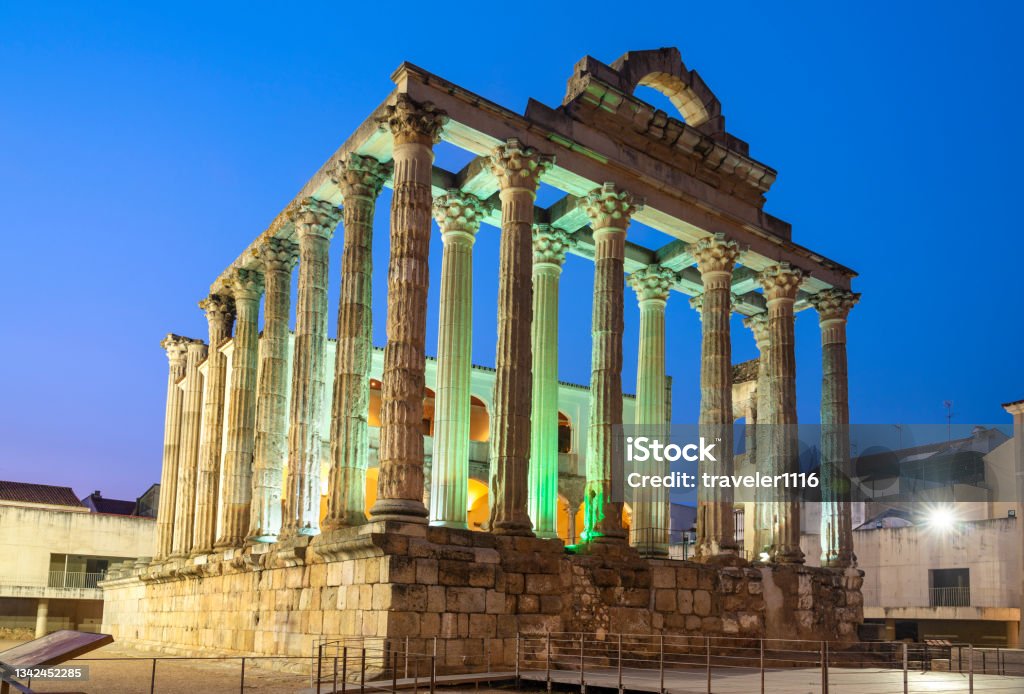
[352,665]
[959,596]
[663,663]
[75,579]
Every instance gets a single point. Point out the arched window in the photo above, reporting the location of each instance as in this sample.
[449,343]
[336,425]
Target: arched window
[479,420]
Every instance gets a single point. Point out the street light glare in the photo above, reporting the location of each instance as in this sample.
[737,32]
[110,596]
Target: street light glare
[941,519]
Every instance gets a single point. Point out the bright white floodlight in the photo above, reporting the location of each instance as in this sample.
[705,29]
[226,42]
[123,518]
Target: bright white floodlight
[941,518]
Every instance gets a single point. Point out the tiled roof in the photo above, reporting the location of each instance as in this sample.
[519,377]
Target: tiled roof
[38,494]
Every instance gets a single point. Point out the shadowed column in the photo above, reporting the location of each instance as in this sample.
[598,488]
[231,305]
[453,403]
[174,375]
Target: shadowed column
[519,170]
[246,286]
[610,211]
[781,283]
[315,221]
[220,315]
[458,216]
[549,248]
[834,306]
[188,449]
[270,454]
[763,509]
[176,347]
[415,128]
[360,180]
[652,284]
[715,256]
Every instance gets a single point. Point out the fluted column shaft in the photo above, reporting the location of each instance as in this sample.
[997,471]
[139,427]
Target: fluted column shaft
[609,211]
[271,447]
[176,348]
[549,248]
[833,306]
[518,170]
[315,221]
[219,316]
[781,283]
[716,531]
[360,180]
[458,216]
[188,450]
[763,496]
[235,497]
[415,128]
[652,284]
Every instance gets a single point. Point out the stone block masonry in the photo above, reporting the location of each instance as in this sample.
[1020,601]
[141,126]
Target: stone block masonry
[474,591]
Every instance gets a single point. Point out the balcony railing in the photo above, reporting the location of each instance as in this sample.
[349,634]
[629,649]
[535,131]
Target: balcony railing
[959,596]
[75,579]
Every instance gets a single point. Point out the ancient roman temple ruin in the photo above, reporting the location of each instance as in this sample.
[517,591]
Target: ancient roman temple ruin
[322,487]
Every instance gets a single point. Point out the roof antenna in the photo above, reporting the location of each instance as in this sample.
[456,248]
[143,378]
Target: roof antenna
[948,404]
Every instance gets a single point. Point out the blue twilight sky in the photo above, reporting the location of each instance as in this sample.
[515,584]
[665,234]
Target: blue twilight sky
[141,148]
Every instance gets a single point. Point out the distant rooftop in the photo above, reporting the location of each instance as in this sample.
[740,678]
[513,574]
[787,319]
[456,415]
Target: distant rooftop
[98,504]
[27,493]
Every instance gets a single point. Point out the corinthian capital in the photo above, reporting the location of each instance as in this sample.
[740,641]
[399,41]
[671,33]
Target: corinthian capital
[715,254]
[219,308]
[758,324]
[518,166]
[175,346]
[653,282]
[276,254]
[245,284]
[781,281]
[834,304]
[458,212]
[360,177]
[413,122]
[315,217]
[610,208]
[550,245]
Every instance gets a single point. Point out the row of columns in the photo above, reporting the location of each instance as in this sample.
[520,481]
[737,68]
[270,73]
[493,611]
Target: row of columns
[524,457]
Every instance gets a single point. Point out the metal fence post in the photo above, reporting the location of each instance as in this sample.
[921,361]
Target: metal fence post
[241,685]
[334,680]
[761,641]
[583,665]
[433,669]
[416,676]
[394,669]
[905,682]
[517,659]
[344,668]
[547,660]
[620,663]
[362,670]
[407,657]
[152,678]
[707,650]
[970,668]
[824,667]
[661,664]
[319,661]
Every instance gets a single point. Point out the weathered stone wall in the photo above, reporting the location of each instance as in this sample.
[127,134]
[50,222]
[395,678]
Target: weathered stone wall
[474,591]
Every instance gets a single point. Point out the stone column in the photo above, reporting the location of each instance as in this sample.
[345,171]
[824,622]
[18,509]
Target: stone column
[652,285]
[176,347]
[415,129]
[763,509]
[188,450]
[1017,410]
[833,306]
[610,211]
[781,283]
[315,221]
[246,288]
[458,216]
[220,315]
[549,248]
[270,451]
[42,615]
[360,180]
[518,169]
[715,257]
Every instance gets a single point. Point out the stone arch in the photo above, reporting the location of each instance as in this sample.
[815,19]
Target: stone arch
[663,70]
[479,420]
[565,432]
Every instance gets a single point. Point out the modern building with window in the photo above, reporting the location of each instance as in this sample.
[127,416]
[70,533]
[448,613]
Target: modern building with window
[55,549]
